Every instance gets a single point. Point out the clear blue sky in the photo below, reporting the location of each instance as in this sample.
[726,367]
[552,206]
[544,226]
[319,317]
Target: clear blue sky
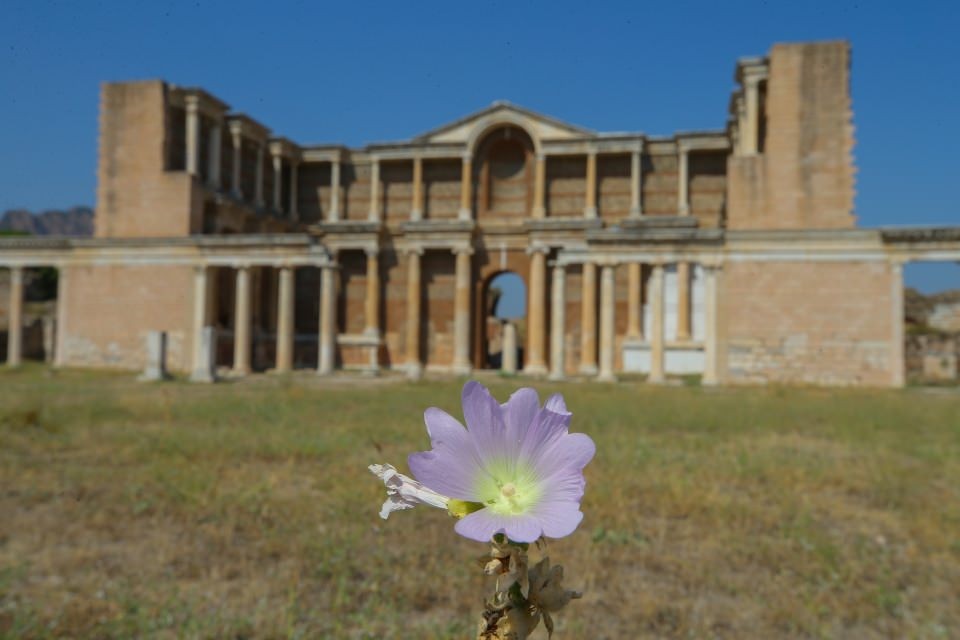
[356,72]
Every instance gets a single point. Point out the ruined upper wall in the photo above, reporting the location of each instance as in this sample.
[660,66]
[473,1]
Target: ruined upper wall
[135,196]
[792,166]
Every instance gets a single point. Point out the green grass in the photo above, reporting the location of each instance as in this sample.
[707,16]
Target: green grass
[245,510]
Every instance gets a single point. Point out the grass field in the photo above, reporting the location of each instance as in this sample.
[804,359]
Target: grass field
[245,510]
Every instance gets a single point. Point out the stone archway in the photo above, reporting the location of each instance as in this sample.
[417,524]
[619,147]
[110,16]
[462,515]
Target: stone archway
[505,160]
[504,299]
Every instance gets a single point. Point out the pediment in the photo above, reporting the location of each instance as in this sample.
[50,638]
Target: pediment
[539,126]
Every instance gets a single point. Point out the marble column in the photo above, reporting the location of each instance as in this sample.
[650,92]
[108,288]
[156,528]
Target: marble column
[508,353]
[749,137]
[897,360]
[634,301]
[277,183]
[683,301]
[588,320]
[636,183]
[15,329]
[416,208]
[461,313]
[193,135]
[683,181]
[258,187]
[536,316]
[213,157]
[326,356]
[540,187]
[241,323]
[236,186]
[558,324]
[372,303]
[413,364]
[710,347]
[590,207]
[466,189]
[374,213]
[285,321]
[607,323]
[201,306]
[63,290]
[334,213]
[656,336]
[294,191]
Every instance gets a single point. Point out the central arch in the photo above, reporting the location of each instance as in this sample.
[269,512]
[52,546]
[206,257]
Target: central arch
[503,299]
[505,174]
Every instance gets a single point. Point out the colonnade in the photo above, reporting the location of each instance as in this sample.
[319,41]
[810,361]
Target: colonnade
[240,128]
[539,204]
[600,362]
[243,318]
[15,317]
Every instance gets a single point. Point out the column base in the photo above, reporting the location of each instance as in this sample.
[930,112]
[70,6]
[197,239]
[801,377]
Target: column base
[606,377]
[461,369]
[588,369]
[590,213]
[202,375]
[323,372]
[464,214]
[535,370]
[414,371]
[636,212]
[239,373]
[656,379]
[149,376]
[556,377]
[708,382]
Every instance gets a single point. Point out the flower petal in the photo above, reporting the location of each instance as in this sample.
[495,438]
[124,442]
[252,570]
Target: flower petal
[558,519]
[556,404]
[564,485]
[519,413]
[543,433]
[484,419]
[447,433]
[569,453]
[444,473]
[482,525]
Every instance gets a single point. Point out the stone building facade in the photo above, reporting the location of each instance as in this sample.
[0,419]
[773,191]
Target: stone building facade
[730,254]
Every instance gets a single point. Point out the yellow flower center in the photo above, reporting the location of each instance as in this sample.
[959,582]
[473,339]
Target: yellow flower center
[508,490]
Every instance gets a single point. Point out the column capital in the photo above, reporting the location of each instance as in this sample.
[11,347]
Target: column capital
[192,103]
[466,156]
[413,250]
[544,249]
[372,252]
[461,250]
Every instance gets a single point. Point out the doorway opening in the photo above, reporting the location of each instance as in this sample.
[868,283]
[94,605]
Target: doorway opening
[504,302]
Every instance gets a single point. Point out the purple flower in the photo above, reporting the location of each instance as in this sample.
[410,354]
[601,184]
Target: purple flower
[517,462]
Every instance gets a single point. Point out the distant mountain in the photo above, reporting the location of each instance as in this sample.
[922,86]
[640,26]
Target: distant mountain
[76,221]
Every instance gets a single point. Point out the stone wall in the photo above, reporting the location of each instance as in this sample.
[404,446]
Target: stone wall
[817,323]
[804,176]
[136,195]
[111,309]
[932,357]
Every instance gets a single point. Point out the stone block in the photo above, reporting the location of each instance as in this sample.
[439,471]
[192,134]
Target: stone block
[156,367]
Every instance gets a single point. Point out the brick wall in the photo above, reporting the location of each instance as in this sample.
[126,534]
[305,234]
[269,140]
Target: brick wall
[136,197]
[804,178]
[818,323]
[111,309]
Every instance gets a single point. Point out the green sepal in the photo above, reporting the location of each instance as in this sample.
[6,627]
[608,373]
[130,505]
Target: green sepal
[461,508]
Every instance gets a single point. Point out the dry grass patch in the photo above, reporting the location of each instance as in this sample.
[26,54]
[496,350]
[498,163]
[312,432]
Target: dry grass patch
[245,511]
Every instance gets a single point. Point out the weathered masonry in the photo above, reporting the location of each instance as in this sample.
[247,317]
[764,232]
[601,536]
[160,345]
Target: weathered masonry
[732,254]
